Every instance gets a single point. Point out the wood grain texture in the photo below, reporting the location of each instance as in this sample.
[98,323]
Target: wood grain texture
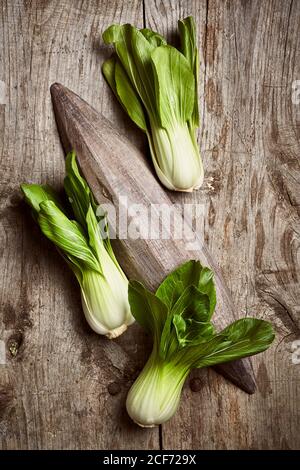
[249,138]
[62,386]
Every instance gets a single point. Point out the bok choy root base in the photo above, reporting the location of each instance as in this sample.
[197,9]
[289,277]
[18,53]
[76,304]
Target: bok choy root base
[157,85]
[86,249]
[178,317]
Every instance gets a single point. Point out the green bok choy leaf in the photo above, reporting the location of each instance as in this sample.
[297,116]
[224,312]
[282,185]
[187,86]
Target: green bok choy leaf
[157,86]
[86,248]
[178,317]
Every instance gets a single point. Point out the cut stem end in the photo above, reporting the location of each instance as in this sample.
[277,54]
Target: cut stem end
[116,332]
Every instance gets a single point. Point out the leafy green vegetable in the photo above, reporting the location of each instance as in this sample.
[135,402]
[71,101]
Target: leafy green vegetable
[104,286]
[187,31]
[157,85]
[190,273]
[150,311]
[35,194]
[179,318]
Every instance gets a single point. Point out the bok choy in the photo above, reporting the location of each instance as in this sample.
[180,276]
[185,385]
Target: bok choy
[86,249]
[178,317]
[157,85]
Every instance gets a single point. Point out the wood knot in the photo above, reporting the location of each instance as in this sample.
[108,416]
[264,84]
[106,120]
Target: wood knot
[14,343]
[114,388]
[15,199]
[196,384]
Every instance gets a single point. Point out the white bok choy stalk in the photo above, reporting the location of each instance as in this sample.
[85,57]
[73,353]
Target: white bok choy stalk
[157,85]
[86,248]
[178,317]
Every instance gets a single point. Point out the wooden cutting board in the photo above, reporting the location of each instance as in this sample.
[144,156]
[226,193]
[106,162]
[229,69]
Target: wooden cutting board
[118,173]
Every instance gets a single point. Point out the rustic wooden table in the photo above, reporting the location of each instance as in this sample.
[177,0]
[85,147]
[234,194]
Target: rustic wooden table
[64,387]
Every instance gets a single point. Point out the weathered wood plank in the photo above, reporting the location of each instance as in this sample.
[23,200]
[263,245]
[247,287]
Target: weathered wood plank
[62,385]
[250,144]
[249,139]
